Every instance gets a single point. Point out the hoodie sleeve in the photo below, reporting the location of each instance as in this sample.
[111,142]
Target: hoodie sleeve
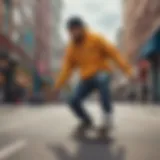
[67,68]
[112,52]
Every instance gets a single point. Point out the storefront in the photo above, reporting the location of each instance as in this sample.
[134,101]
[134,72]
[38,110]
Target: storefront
[151,52]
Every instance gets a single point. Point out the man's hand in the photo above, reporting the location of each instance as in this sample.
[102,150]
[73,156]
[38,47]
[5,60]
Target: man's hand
[125,81]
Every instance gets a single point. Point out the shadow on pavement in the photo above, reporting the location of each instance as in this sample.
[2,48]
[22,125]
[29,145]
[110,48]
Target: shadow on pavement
[90,151]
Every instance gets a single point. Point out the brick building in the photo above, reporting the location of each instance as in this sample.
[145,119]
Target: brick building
[48,14]
[141,20]
[142,34]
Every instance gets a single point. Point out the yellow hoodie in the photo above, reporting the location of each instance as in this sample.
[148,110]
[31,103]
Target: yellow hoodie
[90,57]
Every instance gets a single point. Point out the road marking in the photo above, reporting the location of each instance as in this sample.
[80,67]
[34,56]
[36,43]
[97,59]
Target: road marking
[12,148]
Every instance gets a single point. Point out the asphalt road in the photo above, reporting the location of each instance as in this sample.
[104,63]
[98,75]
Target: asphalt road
[45,133]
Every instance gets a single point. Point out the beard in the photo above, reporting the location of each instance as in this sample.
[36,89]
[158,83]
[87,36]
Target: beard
[78,39]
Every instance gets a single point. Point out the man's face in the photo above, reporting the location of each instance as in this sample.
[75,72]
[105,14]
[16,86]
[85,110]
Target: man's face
[76,34]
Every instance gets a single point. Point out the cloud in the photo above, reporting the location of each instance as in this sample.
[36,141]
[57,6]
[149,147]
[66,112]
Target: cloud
[102,15]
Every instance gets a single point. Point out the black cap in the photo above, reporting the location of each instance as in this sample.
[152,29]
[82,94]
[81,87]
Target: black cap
[75,22]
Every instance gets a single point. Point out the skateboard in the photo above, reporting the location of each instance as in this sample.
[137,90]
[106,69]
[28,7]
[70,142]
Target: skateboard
[92,136]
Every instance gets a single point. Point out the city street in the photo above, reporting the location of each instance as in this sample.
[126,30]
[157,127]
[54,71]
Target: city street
[45,133]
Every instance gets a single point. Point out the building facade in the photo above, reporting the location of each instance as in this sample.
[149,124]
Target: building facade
[33,28]
[29,31]
[48,14]
[15,21]
[57,43]
[141,20]
[23,25]
[141,34]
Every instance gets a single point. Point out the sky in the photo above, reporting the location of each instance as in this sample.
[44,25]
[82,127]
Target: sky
[102,16]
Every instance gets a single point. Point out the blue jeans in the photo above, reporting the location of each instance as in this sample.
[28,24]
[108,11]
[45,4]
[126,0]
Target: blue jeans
[100,82]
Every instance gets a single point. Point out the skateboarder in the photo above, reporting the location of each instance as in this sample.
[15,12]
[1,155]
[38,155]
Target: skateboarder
[90,53]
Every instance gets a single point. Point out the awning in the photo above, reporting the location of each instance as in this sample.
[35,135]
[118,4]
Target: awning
[152,46]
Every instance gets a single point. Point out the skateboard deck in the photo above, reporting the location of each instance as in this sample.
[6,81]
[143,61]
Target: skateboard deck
[91,136]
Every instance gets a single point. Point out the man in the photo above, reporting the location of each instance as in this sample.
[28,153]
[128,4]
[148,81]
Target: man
[91,54]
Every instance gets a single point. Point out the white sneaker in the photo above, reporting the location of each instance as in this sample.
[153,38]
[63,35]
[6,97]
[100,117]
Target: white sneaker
[108,121]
